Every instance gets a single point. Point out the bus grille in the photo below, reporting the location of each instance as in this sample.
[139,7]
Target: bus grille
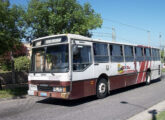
[45,88]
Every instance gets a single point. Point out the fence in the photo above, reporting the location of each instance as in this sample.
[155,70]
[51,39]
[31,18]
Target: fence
[6,79]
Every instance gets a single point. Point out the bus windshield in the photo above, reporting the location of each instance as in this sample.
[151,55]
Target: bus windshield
[51,59]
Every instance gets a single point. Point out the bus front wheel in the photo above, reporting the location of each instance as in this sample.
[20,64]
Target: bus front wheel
[102,88]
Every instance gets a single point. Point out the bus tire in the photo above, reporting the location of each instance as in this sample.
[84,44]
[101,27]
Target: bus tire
[148,78]
[102,88]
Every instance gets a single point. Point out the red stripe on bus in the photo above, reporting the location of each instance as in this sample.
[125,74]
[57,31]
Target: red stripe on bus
[144,77]
[141,71]
[138,72]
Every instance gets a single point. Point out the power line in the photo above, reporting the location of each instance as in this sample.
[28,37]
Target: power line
[128,25]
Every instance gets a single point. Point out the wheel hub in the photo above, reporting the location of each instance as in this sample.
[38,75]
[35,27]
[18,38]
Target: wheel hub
[102,88]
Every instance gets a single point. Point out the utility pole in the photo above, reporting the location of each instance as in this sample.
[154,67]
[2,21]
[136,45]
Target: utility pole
[149,38]
[113,34]
[160,36]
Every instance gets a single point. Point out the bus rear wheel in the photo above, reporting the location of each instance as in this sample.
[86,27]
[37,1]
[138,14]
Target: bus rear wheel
[102,88]
[148,78]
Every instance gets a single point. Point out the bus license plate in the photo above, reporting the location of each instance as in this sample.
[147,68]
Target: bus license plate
[43,94]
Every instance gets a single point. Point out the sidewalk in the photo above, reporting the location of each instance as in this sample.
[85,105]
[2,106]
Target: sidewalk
[150,113]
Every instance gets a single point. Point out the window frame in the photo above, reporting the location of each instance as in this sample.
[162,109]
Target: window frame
[126,57]
[116,56]
[139,58]
[148,58]
[75,63]
[108,55]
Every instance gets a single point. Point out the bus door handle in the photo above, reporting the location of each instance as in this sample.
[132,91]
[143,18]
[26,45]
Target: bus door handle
[96,64]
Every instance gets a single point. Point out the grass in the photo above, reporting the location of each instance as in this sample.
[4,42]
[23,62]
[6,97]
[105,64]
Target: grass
[161,116]
[1,71]
[15,92]
[163,69]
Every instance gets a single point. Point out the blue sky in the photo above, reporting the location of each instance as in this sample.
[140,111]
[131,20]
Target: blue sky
[128,17]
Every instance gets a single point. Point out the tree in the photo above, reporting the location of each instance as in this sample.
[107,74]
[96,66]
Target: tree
[22,63]
[11,26]
[162,55]
[47,17]
[11,29]
[5,60]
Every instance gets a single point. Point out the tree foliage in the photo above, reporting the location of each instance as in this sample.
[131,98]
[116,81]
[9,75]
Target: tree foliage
[5,61]
[22,63]
[47,17]
[162,55]
[11,26]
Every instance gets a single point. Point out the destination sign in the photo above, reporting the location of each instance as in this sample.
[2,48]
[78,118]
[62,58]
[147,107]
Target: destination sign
[53,40]
[38,43]
[50,41]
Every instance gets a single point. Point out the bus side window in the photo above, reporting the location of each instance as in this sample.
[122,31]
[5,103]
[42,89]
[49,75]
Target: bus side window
[147,53]
[129,57]
[158,54]
[154,54]
[139,54]
[116,52]
[100,52]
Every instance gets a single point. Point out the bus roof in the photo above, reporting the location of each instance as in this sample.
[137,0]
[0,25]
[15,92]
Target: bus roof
[80,37]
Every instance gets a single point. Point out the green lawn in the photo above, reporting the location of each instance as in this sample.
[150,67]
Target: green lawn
[9,93]
[161,116]
[163,69]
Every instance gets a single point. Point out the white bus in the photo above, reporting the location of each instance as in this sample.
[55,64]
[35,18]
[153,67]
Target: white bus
[69,66]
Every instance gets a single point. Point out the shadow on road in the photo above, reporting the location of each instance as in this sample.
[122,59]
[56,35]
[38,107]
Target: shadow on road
[139,106]
[72,103]
[153,113]
[68,103]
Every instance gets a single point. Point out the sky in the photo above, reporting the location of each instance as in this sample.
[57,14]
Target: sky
[131,19]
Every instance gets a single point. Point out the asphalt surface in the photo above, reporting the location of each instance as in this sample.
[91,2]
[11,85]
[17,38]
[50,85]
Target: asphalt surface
[120,105]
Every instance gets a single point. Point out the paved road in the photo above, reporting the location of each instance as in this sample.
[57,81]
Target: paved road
[120,105]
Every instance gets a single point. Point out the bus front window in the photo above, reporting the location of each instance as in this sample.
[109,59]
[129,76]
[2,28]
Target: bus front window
[50,59]
[57,58]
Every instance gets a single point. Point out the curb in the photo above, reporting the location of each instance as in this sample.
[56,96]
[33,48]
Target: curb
[150,112]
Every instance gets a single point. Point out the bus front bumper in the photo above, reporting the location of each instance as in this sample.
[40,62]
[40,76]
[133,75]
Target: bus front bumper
[49,94]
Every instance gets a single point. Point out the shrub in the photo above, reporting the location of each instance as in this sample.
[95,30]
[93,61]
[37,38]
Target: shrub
[5,66]
[22,63]
[5,59]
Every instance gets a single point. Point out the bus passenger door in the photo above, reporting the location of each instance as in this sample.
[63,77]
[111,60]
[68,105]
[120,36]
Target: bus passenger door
[82,74]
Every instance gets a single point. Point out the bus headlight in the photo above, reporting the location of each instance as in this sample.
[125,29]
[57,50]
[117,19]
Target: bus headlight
[61,89]
[57,89]
[32,87]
